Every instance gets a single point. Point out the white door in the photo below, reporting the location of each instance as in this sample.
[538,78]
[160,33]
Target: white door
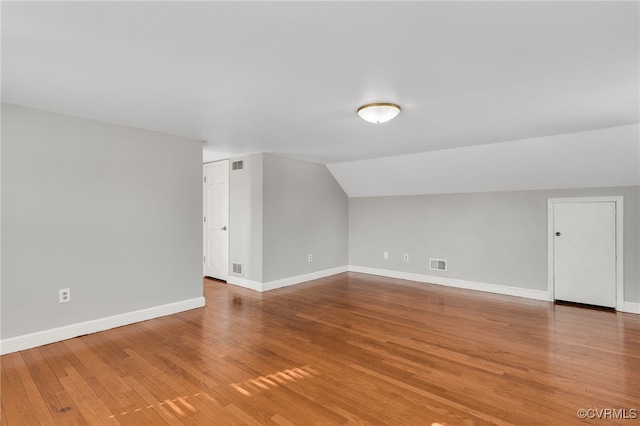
[584,261]
[216,220]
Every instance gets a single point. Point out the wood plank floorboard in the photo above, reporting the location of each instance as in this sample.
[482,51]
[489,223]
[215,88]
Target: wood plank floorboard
[351,349]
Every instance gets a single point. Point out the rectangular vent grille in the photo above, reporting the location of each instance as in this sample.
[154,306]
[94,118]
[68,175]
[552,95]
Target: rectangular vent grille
[237,165]
[438,264]
[236,268]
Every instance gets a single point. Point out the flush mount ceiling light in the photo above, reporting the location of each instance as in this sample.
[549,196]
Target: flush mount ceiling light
[378,112]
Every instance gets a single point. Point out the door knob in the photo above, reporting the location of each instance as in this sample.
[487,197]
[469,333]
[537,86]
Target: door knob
[557,234]
[224,228]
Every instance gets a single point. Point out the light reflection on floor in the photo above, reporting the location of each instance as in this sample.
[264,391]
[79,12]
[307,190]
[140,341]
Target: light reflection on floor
[181,407]
[274,380]
[177,406]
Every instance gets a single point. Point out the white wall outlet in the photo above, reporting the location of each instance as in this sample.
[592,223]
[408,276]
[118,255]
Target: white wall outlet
[310,258]
[385,254]
[405,257]
[64,295]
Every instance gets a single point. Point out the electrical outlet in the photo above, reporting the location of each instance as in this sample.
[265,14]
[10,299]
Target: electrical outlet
[310,258]
[64,295]
[385,255]
[405,257]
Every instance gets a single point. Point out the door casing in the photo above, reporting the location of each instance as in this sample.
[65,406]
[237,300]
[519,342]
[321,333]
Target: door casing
[211,226]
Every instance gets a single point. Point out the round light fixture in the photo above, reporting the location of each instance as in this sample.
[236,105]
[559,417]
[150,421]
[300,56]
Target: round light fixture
[378,112]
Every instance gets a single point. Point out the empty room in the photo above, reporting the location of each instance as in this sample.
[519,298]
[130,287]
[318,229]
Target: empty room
[320,213]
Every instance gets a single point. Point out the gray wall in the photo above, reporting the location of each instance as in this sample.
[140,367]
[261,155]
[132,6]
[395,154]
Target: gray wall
[493,237]
[305,212]
[245,217]
[112,212]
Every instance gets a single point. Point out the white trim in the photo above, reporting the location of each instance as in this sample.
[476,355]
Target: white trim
[630,307]
[453,282]
[205,212]
[32,340]
[619,202]
[243,282]
[285,282]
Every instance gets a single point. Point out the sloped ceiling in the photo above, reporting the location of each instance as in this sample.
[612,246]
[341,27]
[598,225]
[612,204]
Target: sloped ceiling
[596,158]
[287,77]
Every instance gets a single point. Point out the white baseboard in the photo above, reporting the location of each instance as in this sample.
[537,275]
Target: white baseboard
[285,282]
[241,282]
[630,307]
[272,285]
[453,282]
[32,340]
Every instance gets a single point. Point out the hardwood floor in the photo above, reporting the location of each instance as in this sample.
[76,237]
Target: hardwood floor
[349,349]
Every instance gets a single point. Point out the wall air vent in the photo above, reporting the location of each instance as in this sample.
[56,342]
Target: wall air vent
[236,268]
[438,264]
[237,165]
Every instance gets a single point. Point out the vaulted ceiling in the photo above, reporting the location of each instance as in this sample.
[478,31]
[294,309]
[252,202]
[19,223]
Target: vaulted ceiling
[287,77]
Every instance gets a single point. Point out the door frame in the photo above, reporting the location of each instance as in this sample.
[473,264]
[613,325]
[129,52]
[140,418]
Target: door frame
[618,200]
[206,212]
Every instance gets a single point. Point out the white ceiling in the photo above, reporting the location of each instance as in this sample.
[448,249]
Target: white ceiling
[287,77]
